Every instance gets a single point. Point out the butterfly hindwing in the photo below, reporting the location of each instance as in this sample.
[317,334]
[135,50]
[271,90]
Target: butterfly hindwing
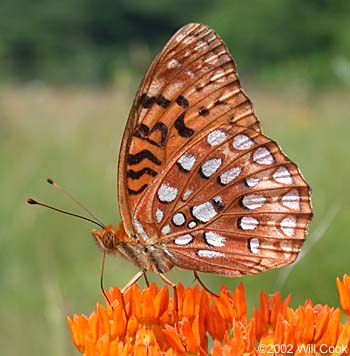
[229,198]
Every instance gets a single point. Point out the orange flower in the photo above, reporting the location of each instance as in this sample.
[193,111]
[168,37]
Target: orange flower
[145,322]
[344,293]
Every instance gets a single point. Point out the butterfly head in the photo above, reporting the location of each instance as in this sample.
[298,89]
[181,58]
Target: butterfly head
[109,237]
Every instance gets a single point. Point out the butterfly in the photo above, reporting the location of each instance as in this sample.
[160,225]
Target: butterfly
[200,186]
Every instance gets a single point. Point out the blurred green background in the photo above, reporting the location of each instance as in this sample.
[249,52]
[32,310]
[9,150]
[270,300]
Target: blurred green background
[68,74]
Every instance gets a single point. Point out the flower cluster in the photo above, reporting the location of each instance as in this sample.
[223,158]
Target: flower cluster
[148,322]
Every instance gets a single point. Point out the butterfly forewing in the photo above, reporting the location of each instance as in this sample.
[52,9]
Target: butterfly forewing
[191,84]
[197,177]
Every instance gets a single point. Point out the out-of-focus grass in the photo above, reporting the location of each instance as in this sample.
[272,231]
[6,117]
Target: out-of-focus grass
[49,264]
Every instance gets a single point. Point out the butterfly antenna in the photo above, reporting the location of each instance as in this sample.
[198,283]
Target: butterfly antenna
[101,280]
[35,202]
[52,182]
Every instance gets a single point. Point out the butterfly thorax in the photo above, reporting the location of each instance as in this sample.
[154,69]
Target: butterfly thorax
[148,257]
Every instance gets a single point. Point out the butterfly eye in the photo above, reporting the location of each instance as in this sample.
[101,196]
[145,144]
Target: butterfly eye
[105,240]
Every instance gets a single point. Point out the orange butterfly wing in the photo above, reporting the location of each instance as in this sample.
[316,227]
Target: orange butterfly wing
[190,84]
[197,178]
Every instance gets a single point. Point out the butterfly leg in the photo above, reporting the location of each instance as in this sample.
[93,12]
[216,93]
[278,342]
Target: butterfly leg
[173,286]
[146,279]
[132,281]
[101,280]
[196,276]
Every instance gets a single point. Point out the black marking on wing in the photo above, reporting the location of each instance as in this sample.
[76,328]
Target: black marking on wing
[219,102]
[146,101]
[246,183]
[182,169]
[182,101]
[241,203]
[140,100]
[135,192]
[163,130]
[181,128]
[218,204]
[143,132]
[202,175]
[248,244]
[218,179]
[144,154]
[232,118]
[205,239]
[163,102]
[203,111]
[137,174]
[239,223]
